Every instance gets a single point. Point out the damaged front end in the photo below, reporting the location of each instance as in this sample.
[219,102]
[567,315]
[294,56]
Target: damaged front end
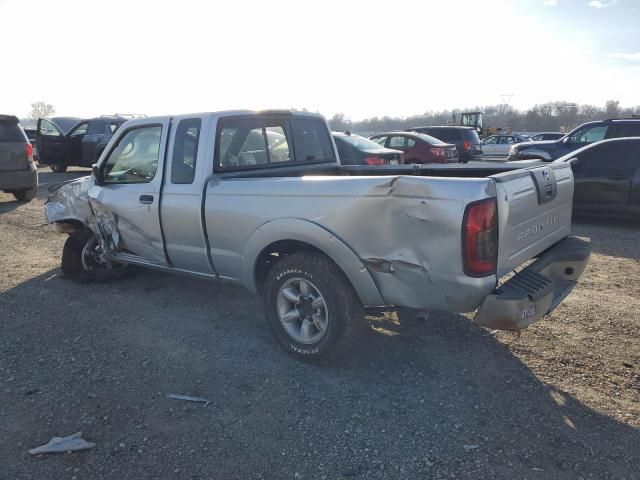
[70,207]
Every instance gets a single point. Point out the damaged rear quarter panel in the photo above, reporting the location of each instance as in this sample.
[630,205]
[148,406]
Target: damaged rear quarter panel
[407,230]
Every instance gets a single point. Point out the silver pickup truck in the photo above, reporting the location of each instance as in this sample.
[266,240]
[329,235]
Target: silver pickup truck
[260,199]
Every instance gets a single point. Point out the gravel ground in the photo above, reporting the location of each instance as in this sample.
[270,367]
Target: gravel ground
[444,399]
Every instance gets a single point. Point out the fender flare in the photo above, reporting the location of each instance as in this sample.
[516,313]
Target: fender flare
[313,234]
[536,153]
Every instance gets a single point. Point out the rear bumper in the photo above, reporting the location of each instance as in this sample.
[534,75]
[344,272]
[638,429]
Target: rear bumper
[19,179]
[536,290]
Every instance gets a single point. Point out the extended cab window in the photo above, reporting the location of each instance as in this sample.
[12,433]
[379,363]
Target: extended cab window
[251,142]
[135,157]
[185,151]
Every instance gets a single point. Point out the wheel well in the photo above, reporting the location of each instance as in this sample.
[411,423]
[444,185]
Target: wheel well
[274,252]
[68,226]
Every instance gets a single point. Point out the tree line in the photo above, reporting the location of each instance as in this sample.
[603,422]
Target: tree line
[551,116]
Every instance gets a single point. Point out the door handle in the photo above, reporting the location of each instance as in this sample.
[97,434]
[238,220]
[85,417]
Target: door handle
[146,199]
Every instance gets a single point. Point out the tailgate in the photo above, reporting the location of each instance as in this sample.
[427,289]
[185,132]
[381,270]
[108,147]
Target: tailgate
[534,212]
[13,156]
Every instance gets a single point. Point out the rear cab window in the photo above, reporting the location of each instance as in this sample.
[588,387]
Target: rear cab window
[249,142]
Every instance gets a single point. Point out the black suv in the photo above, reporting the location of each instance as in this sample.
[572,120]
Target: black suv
[465,139]
[581,136]
[80,145]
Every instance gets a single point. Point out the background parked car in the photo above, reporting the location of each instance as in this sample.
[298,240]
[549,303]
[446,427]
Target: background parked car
[465,139]
[357,150]
[61,145]
[547,136]
[579,137]
[498,146]
[607,177]
[18,172]
[418,147]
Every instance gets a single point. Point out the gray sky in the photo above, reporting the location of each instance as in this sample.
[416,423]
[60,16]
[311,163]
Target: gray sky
[362,58]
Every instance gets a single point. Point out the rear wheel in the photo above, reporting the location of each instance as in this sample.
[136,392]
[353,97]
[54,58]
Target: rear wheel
[58,167]
[82,259]
[25,195]
[312,309]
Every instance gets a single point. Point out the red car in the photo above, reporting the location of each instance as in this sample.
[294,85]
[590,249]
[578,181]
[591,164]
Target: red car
[418,147]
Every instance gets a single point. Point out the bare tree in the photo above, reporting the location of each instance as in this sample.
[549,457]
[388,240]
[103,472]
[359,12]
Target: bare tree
[41,110]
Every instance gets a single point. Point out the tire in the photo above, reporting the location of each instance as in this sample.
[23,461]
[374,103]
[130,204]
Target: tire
[81,267]
[330,320]
[58,167]
[25,195]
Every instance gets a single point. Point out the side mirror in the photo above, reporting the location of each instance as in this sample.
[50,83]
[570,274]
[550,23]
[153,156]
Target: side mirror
[97,174]
[566,140]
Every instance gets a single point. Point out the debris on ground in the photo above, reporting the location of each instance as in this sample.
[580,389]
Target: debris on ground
[72,443]
[189,398]
[470,447]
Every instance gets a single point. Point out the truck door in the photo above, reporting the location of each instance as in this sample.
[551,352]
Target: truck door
[132,174]
[603,176]
[51,143]
[180,208]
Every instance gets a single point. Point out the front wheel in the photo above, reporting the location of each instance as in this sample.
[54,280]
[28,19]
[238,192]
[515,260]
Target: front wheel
[58,167]
[312,309]
[83,262]
[25,195]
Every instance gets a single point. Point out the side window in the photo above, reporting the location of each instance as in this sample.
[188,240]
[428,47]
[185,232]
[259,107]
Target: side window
[311,141]
[250,142]
[48,128]
[396,142]
[79,130]
[380,140]
[491,141]
[185,151]
[410,142]
[96,127]
[135,157]
[626,130]
[610,159]
[503,140]
[589,134]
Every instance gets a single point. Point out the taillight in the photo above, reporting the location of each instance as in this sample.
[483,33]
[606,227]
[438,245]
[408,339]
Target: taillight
[372,160]
[28,149]
[480,238]
[467,145]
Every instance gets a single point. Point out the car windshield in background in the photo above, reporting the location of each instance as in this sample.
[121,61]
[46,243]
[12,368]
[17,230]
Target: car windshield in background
[11,132]
[360,143]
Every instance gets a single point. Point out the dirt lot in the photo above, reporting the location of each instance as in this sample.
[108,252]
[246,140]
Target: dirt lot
[445,399]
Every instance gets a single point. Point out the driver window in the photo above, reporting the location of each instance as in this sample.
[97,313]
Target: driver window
[491,141]
[80,130]
[135,157]
[589,134]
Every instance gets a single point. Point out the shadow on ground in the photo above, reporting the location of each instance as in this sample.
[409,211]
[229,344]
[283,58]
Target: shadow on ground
[440,400]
